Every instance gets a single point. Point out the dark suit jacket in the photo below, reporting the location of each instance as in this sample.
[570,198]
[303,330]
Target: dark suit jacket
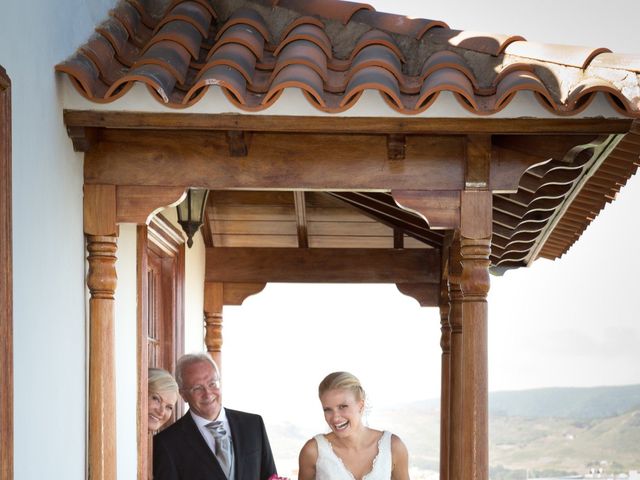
[180,452]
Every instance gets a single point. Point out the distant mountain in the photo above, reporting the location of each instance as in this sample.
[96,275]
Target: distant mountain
[573,403]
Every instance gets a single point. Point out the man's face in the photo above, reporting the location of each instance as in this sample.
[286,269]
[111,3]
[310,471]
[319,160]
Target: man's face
[201,389]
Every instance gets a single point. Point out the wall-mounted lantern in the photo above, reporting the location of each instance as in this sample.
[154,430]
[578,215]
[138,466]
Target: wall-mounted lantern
[191,212]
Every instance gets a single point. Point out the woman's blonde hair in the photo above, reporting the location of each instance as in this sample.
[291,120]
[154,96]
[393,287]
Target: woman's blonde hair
[161,381]
[342,381]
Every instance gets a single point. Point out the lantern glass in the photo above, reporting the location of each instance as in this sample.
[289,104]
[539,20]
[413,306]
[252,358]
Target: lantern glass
[191,212]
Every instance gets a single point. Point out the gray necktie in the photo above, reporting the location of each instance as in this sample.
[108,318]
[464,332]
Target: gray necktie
[222,445]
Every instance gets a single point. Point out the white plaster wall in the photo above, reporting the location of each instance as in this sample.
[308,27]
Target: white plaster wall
[193,290]
[126,353]
[48,244]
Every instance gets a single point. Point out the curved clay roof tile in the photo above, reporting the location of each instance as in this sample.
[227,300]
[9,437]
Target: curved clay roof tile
[241,34]
[332,9]
[569,55]
[170,55]
[374,78]
[204,3]
[304,20]
[193,13]
[377,37]
[411,27]
[246,16]
[302,52]
[617,61]
[232,82]
[380,56]
[147,19]
[450,80]
[160,80]
[583,94]
[84,76]
[447,59]
[182,33]
[483,42]
[517,81]
[101,53]
[234,55]
[309,32]
[296,76]
[113,30]
[132,22]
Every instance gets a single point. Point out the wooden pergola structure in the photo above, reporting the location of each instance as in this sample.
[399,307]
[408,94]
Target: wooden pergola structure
[430,204]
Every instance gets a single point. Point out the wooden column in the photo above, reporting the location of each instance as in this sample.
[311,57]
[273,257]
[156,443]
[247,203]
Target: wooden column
[6,284]
[456,354]
[445,379]
[475,247]
[101,231]
[101,281]
[213,304]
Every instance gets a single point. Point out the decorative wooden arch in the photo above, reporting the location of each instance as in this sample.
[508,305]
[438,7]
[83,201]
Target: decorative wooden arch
[446,173]
[6,284]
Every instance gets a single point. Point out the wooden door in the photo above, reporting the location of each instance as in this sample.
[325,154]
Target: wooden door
[160,316]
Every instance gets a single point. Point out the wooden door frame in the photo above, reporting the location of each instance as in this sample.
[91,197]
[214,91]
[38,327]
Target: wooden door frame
[167,238]
[6,284]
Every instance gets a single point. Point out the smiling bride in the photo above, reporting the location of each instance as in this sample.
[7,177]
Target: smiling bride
[351,450]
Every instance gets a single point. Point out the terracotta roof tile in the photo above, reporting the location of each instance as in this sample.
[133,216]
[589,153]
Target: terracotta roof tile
[573,56]
[409,60]
[247,17]
[309,32]
[490,43]
[113,30]
[172,56]
[182,33]
[332,9]
[131,19]
[412,27]
[242,34]
[192,12]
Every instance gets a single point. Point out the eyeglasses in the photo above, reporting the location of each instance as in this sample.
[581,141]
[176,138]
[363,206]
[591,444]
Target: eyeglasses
[200,389]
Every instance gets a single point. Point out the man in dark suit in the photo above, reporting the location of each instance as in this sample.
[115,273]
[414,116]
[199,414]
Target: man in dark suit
[210,442]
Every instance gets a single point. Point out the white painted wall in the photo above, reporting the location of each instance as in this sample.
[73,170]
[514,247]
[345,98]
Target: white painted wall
[48,244]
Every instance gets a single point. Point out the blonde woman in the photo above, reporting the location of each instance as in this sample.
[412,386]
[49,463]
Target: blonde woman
[162,398]
[350,450]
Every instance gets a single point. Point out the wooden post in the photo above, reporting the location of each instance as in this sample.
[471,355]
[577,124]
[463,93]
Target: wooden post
[101,281]
[101,231]
[456,359]
[475,248]
[213,303]
[445,378]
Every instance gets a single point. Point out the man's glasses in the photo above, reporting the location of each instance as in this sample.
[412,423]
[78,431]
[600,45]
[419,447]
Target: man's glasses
[201,389]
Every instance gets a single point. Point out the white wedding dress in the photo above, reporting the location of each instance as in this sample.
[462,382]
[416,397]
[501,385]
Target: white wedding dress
[330,467]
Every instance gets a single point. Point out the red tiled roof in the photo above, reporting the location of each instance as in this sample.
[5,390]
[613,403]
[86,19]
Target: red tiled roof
[333,51]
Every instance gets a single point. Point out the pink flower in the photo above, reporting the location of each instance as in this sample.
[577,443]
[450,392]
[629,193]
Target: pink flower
[276,477]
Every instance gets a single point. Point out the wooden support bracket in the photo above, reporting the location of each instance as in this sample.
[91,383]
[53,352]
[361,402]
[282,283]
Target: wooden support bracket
[396,146]
[238,143]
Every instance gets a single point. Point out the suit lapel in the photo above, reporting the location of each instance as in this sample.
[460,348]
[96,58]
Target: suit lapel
[194,439]
[237,436]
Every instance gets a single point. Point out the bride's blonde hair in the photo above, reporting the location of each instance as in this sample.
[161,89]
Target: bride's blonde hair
[342,381]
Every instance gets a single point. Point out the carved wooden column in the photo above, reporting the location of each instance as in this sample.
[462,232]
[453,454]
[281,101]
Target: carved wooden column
[101,231]
[455,374]
[475,247]
[445,378]
[213,304]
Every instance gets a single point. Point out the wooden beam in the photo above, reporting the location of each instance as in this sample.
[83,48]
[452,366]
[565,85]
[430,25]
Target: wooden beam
[322,265]
[301,218]
[396,146]
[138,204]
[275,161]
[402,125]
[237,140]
